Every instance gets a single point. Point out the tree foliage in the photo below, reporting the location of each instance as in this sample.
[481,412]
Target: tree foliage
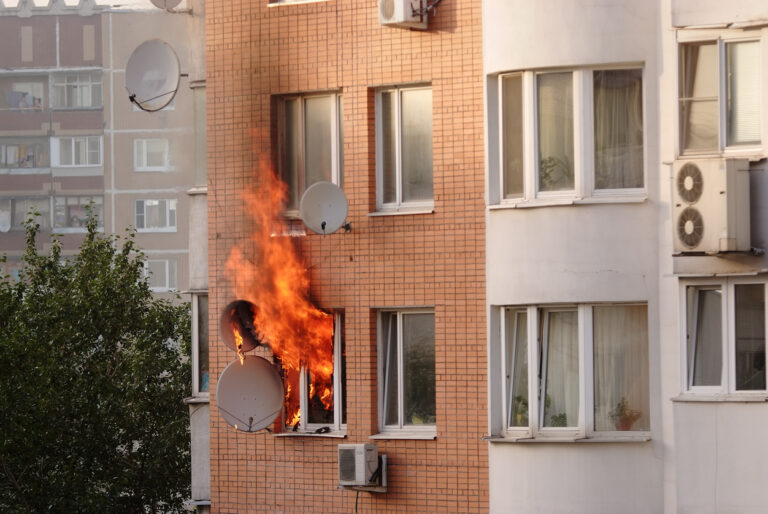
[92,377]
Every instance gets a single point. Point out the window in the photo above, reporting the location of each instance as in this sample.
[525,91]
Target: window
[310,142]
[150,154]
[19,209]
[156,215]
[200,369]
[590,370]
[719,95]
[322,413]
[407,371]
[26,95]
[75,90]
[725,337]
[404,148]
[77,151]
[73,211]
[24,153]
[161,274]
[601,154]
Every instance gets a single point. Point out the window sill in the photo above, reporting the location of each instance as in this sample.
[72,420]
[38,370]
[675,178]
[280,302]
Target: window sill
[640,437]
[332,434]
[752,154]
[197,399]
[554,202]
[292,2]
[403,212]
[156,230]
[405,434]
[760,397]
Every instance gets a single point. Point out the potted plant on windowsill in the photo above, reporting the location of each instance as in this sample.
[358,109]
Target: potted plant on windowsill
[623,416]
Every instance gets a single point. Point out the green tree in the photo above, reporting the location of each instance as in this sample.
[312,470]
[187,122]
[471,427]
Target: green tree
[92,376]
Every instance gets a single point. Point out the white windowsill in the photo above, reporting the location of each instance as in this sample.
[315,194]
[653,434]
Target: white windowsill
[554,202]
[405,434]
[639,437]
[155,230]
[332,434]
[197,399]
[761,397]
[403,211]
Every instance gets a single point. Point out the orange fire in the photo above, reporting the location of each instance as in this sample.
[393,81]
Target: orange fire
[273,277]
[239,343]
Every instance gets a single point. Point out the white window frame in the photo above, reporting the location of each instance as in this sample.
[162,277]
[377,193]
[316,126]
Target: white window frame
[338,427]
[167,287]
[401,430]
[585,426]
[58,142]
[583,142]
[87,198]
[168,210]
[720,38]
[83,79]
[140,155]
[727,387]
[399,205]
[196,378]
[337,165]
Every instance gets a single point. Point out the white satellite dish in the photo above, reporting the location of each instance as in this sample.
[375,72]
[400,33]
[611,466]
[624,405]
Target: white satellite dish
[239,315]
[152,75]
[165,4]
[250,395]
[323,207]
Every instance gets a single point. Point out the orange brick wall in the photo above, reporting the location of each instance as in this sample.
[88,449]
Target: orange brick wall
[253,52]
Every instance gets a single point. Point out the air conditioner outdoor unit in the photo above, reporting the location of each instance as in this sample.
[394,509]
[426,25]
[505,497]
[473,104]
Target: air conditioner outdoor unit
[357,463]
[408,14]
[711,206]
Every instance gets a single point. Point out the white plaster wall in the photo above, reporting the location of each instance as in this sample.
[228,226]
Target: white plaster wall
[577,254]
[710,12]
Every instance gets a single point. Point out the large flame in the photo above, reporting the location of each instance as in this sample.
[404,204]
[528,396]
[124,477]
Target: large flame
[273,277]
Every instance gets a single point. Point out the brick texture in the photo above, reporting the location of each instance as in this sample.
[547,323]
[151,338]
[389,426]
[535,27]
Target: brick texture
[255,51]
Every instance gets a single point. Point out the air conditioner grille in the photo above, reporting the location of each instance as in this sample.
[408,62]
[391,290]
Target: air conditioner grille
[347,464]
[690,183]
[690,227]
[387,9]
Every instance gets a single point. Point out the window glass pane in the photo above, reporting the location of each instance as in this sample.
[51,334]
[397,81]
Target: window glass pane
[343,372]
[750,337]
[704,338]
[621,367]
[699,117]
[516,324]
[512,130]
[416,145]
[555,123]
[389,146]
[318,413]
[65,152]
[291,149]
[156,153]
[158,278]
[561,364]
[743,100]
[138,157]
[202,343]
[318,112]
[94,150]
[419,369]
[618,99]
[390,354]
[139,214]
[155,215]
[341,143]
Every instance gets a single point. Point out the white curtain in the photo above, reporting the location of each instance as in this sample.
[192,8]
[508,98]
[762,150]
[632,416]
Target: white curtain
[561,362]
[618,109]
[743,62]
[620,338]
[699,119]
[705,341]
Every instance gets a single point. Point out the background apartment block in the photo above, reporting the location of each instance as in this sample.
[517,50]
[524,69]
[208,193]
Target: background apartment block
[414,255]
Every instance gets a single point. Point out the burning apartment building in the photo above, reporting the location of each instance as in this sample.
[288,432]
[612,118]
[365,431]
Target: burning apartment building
[378,328]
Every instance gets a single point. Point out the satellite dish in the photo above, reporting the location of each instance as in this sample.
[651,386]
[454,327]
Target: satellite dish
[152,75]
[165,4]
[239,315]
[323,207]
[250,395]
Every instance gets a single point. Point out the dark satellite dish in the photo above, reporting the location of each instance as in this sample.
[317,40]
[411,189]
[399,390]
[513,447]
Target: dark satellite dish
[239,315]
[152,75]
[323,208]
[250,395]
